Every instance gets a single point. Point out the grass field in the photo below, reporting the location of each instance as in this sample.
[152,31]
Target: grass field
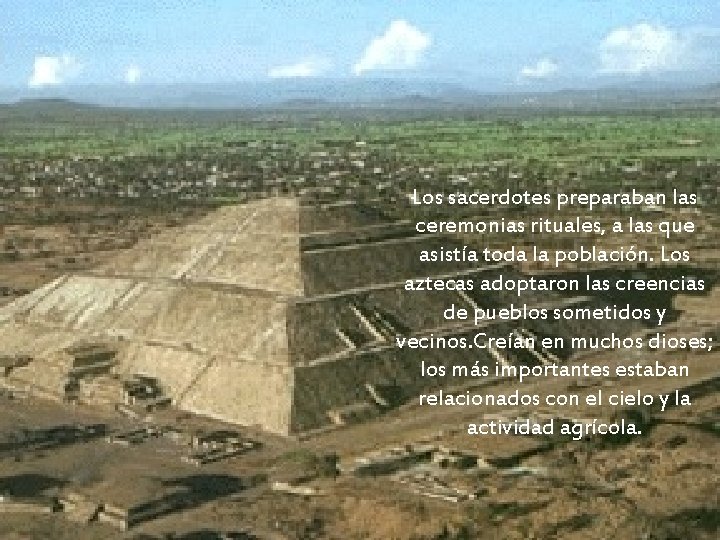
[65,130]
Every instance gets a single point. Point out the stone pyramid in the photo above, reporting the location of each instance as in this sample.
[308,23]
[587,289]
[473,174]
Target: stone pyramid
[275,313]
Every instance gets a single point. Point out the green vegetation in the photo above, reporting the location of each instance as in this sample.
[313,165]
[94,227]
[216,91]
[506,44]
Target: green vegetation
[53,151]
[66,131]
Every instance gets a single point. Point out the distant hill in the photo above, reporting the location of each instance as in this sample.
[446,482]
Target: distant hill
[354,93]
[52,104]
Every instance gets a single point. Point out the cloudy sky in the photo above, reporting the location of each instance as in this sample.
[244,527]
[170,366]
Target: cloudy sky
[497,43]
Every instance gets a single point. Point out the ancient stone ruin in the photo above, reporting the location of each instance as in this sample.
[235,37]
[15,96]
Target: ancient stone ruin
[278,313]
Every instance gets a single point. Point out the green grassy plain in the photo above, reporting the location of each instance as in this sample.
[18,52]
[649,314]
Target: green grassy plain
[78,131]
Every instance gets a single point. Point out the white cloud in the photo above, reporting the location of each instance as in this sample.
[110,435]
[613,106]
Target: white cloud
[310,67]
[543,69]
[132,74]
[400,47]
[53,70]
[642,48]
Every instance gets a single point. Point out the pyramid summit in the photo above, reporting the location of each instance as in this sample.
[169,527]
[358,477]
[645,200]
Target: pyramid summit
[275,313]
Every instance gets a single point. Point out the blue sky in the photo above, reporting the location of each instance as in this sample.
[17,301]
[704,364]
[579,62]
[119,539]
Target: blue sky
[476,42]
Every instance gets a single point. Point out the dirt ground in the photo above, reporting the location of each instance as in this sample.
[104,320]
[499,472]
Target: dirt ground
[587,489]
